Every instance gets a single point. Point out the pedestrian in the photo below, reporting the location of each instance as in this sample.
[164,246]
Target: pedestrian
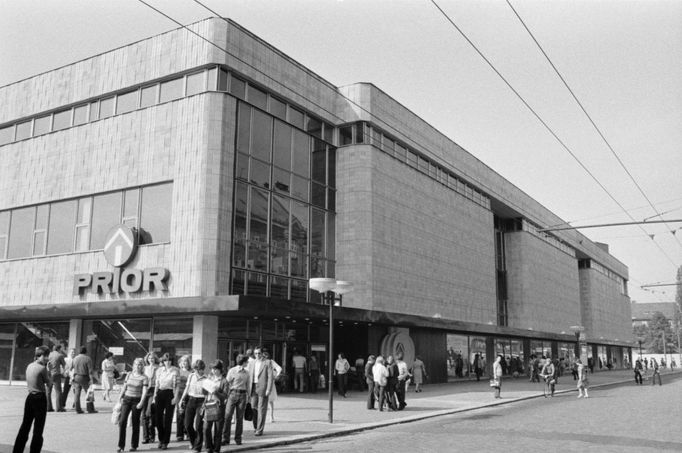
[83,374]
[193,400]
[215,392]
[418,374]
[108,367]
[654,367]
[496,382]
[574,370]
[638,372]
[276,371]
[477,365]
[35,407]
[590,364]
[534,368]
[166,396]
[184,370]
[401,384]
[459,365]
[583,383]
[55,368]
[67,376]
[341,368]
[392,382]
[548,374]
[239,386]
[369,379]
[313,374]
[646,364]
[262,381]
[132,395]
[380,375]
[300,370]
[148,406]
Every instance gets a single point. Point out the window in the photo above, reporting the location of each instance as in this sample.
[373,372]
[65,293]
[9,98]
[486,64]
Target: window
[148,96]
[278,108]
[106,213]
[62,227]
[261,135]
[42,125]
[106,107]
[83,220]
[24,130]
[7,134]
[359,133]
[4,231]
[282,145]
[314,127]
[222,80]
[80,115]
[131,204]
[21,233]
[296,117]
[237,87]
[328,133]
[196,83]
[127,102]
[155,213]
[171,90]
[301,154]
[212,79]
[62,120]
[94,111]
[257,97]
[346,135]
[40,231]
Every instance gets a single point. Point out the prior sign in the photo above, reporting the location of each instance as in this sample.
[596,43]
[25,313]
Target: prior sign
[120,246]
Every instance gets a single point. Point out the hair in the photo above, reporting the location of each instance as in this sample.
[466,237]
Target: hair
[380,359]
[57,347]
[249,353]
[151,357]
[136,361]
[371,358]
[264,351]
[217,364]
[342,355]
[399,355]
[167,356]
[199,365]
[186,359]
[242,359]
[108,354]
[41,351]
[84,350]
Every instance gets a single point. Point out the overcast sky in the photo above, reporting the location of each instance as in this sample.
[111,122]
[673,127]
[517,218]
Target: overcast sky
[622,59]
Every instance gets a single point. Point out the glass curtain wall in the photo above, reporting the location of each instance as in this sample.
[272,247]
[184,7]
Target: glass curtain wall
[29,336]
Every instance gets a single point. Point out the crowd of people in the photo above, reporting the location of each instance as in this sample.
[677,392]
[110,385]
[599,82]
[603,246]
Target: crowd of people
[387,381]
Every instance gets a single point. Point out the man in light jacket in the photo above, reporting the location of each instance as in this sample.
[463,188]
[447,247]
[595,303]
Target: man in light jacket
[261,376]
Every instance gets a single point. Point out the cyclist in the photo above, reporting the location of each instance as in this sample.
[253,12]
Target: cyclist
[548,374]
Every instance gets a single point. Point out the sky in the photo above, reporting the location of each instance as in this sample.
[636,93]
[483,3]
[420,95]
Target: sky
[621,59]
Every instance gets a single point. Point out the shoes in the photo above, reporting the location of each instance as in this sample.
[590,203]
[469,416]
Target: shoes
[80,412]
[147,441]
[257,434]
[238,442]
[133,449]
[120,450]
[580,396]
[164,446]
[180,439]
[61,410]
[225,442]
[92,412]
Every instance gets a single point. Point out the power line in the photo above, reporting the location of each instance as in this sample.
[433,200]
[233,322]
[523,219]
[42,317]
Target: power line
[589,117]
[539,118]
[600,225]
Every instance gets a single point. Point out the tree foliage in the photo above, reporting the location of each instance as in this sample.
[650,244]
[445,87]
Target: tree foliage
[654,333]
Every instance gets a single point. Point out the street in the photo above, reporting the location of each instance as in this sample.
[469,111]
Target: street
[624,418]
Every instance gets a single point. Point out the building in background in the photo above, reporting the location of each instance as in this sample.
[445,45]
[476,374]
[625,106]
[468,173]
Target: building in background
[170,196]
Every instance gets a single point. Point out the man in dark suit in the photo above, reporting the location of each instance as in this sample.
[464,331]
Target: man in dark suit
[260,371]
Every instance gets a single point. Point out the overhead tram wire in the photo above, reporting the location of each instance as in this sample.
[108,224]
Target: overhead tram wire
[589,117]
[549,129]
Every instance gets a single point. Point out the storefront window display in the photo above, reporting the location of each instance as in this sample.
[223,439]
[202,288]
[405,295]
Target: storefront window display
[31,335]
[457,352]
[477,352]
[173,336]
[126,338]
[7,335]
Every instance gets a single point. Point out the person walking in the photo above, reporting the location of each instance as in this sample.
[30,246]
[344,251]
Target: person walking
[67,376]
[165,398]
[83,374]
[638,372]
[401,383]
[583,383]
[184,370]
[300,370]
[35,406]
[215,391]
[55,368]
[369,379]
[341,368]
[478,368]
[239,387]
[380,375]
[133,393]
[418,374]
[656,372]
[193,400]
[262,381]
[148,406]
[276,371]
[313,374]
[108,367]
[496,382]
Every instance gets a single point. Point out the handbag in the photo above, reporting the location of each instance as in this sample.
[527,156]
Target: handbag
[116,414]
[248,412]
[212,411]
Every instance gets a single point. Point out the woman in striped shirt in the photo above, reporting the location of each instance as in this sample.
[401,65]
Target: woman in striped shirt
[133,393]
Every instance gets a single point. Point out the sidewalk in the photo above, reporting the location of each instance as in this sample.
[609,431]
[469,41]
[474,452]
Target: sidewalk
[298,417]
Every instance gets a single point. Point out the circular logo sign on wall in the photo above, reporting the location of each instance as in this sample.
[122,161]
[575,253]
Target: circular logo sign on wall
[120,246]
[398,342]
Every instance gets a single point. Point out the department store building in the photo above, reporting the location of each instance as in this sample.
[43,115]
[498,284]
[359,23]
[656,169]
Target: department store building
[176,196]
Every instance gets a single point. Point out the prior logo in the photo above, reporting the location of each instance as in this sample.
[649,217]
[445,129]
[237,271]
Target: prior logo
[120,246]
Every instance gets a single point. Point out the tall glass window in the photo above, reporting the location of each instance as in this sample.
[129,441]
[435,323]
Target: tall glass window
[30,335]
[21,233]
[62,227]
[155,216]
[4,233]
[106,213]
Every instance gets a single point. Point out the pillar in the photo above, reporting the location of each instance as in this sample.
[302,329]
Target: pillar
[205,338]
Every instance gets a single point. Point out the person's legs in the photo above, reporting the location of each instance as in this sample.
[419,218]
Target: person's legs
[65,391]
[370,395]
[39,404]
[239,428]
[57,384]
[135,440]
[126,408]
[22,435]
[232,401]
[179,423]
[262,414]
[77,388]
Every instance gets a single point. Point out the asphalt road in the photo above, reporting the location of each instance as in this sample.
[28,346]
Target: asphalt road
[625,418]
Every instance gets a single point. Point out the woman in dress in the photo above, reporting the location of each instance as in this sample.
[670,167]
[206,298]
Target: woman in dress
[276,371]
[497,376]
[133,393]
[418,374]
[184,371]
[108,367]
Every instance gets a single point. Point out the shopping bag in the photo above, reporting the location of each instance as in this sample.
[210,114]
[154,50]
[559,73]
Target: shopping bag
[116,414]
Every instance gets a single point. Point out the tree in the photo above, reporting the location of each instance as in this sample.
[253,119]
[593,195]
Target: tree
[655,332]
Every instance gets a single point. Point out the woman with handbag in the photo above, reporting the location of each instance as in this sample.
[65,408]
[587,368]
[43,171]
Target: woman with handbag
[132,396]
[192,401]
[496,381]
[216,391]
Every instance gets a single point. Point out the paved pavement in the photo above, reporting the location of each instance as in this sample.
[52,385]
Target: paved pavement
[298,417]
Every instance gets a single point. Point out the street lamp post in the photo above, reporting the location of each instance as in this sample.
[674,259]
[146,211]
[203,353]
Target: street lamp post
[329,289]
[577,330]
